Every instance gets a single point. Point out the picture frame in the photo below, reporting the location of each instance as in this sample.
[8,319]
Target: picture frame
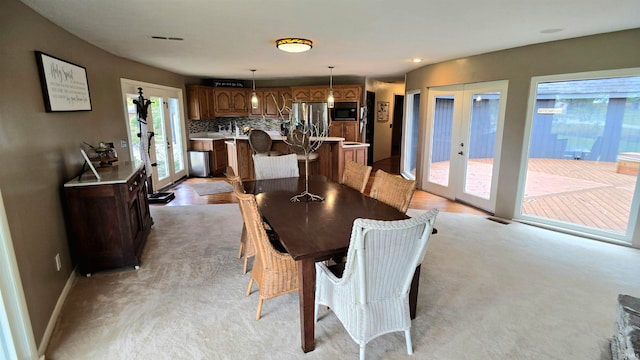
[382,111]
[65,86]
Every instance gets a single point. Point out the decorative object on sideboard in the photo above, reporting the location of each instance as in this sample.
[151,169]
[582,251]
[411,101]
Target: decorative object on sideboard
[65,86]
[294,45]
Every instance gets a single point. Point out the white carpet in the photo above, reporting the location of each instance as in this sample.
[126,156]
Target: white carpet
[212,187]
[487,291]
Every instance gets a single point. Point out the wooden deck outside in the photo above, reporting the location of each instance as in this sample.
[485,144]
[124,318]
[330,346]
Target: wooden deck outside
[588,193]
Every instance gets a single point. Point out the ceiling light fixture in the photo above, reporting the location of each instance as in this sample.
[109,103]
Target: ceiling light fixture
[254,97]
[294,45]
[330,99]
[416,60]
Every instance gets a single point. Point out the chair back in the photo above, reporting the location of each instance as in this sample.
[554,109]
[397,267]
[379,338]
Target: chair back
[256,233]
[229,172]
[383,256]
[393,190]
[275,167]
[260,142]
[356,175]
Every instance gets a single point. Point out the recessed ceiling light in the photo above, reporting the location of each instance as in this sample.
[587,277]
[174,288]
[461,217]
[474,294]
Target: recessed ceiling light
[551,30]
[416,60]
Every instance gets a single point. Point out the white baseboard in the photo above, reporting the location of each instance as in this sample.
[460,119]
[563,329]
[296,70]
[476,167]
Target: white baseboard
[54,316]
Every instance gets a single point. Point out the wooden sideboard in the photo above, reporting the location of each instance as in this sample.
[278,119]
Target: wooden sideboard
[109,219]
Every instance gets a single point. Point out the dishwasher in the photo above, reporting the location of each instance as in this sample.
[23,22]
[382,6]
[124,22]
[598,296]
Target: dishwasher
[199,163]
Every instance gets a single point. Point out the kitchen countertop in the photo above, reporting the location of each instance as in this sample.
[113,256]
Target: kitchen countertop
[225,136]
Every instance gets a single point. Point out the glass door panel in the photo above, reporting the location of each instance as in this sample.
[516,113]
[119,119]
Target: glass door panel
[482,130]
[440,155]
[176,136]
[410,137]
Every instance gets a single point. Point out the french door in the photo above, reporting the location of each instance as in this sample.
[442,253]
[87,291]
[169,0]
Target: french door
[167,146]
[464,132]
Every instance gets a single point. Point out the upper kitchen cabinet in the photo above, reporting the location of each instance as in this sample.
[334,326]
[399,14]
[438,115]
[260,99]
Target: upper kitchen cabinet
[271,101]
[200,102]
[231,102]
[301,93]
[346,93]
[310,93]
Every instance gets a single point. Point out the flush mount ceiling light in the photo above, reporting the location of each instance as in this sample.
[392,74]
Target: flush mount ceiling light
[294,45]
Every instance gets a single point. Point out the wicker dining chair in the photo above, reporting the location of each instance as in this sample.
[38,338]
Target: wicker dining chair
[275,272]
[372,296]
[275,167]
[355,175]
[261,142]
[393,190]
[246,247]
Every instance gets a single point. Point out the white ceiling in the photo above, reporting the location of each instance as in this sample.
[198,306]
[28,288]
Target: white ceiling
[224,39]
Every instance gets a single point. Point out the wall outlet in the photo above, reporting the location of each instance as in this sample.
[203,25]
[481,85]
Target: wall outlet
[58,263]
[123,143]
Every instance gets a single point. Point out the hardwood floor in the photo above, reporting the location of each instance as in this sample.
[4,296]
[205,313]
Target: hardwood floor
[185,195]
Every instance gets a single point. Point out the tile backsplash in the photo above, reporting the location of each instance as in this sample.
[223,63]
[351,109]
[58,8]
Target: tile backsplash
[218,124]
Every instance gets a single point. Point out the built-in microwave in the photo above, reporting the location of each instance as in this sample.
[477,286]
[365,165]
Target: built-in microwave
[345,111]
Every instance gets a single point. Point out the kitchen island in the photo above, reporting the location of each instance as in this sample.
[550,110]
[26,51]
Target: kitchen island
[240,156]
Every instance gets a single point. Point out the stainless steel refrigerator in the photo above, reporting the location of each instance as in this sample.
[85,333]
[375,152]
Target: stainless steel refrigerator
[315,114]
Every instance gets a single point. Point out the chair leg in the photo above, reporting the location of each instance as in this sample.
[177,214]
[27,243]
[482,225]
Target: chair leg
[249,287]
[362,351]
[246,260]
[407,335]
[259,309]
[240,250]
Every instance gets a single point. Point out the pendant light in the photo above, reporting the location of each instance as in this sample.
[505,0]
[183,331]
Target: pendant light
[254,97]
[330,99]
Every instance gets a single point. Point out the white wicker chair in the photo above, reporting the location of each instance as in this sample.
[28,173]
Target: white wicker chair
[372,297]
[275,167]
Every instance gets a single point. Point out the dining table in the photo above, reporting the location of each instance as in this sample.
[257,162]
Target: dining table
[313,231]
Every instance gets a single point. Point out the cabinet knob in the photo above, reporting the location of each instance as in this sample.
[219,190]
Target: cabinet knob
[130,188]
[135,183]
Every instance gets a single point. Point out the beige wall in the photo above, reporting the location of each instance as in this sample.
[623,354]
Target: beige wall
[39,151]
[616,50]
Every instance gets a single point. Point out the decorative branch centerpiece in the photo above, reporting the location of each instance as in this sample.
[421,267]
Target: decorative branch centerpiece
[308,129]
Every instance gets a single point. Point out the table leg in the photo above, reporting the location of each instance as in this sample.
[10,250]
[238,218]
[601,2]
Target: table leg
[307,295]
[413,293]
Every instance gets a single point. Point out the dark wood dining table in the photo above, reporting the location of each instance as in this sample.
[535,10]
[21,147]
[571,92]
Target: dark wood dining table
[317,230]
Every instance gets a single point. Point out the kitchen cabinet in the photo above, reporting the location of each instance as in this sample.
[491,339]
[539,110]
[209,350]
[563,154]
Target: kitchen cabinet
[346,93]
[310,93]
[218,159]
[345,129]
[271,100]
[200,102]
[356,153]
[109,219]
[231,102]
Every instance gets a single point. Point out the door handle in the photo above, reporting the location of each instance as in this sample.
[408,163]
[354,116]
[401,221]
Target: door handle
[460,153]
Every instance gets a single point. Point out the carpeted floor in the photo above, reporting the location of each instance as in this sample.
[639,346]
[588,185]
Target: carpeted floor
[487,291]
[213,187]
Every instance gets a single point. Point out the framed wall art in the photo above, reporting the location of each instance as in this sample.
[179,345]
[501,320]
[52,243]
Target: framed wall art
[382,110]
[64,85]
